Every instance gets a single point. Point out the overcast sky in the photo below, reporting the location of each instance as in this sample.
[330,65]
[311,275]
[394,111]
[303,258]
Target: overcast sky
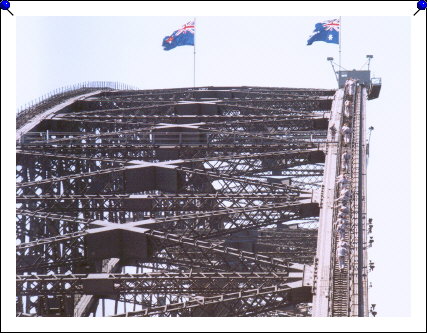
[261,51]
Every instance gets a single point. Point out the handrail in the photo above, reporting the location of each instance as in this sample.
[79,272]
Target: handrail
[42,103]
[87,84]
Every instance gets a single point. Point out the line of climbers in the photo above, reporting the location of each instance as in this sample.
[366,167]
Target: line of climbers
[342,222]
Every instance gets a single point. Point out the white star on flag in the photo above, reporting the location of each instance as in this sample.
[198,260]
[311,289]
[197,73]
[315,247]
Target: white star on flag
[330,37]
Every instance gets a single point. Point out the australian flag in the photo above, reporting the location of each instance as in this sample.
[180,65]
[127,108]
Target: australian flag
[182,36]
[328,31]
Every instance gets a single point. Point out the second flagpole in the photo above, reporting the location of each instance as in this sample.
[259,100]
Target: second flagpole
[339,59]
[194,55]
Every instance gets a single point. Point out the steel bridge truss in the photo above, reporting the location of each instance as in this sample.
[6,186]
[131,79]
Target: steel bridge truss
[179,202]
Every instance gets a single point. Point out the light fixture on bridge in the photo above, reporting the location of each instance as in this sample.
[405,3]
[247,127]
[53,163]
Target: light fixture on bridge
[369,56]
[372,310]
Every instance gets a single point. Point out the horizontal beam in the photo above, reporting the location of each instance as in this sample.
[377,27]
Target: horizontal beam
[182,283]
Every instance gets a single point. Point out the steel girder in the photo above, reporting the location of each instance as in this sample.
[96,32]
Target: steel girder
[181,283]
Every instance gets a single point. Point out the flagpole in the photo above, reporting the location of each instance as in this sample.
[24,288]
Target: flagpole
[194,55]
[340,38]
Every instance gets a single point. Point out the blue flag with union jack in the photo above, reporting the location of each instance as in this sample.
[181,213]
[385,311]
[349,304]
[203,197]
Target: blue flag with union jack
[182,36]
[327,31]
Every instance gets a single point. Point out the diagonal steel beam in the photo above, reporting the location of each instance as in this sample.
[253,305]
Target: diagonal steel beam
[212,300]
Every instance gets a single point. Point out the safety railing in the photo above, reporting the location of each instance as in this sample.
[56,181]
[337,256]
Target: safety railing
[41,104]
[159,138]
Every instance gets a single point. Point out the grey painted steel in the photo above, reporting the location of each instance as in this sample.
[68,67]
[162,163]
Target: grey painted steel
[50,112]
[224,181]
[324,255]
[85,304]
[362,218]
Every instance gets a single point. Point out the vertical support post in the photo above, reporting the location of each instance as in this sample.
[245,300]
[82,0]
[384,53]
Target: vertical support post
[116,304]
[339,51]
[194,55]
[361,208]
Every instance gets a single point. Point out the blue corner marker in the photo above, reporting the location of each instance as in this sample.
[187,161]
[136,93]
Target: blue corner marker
[421,5]
[5,5]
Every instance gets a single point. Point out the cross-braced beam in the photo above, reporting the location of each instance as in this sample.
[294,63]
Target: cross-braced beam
[206,200]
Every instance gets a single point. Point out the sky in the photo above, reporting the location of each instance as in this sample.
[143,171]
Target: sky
[261,51]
